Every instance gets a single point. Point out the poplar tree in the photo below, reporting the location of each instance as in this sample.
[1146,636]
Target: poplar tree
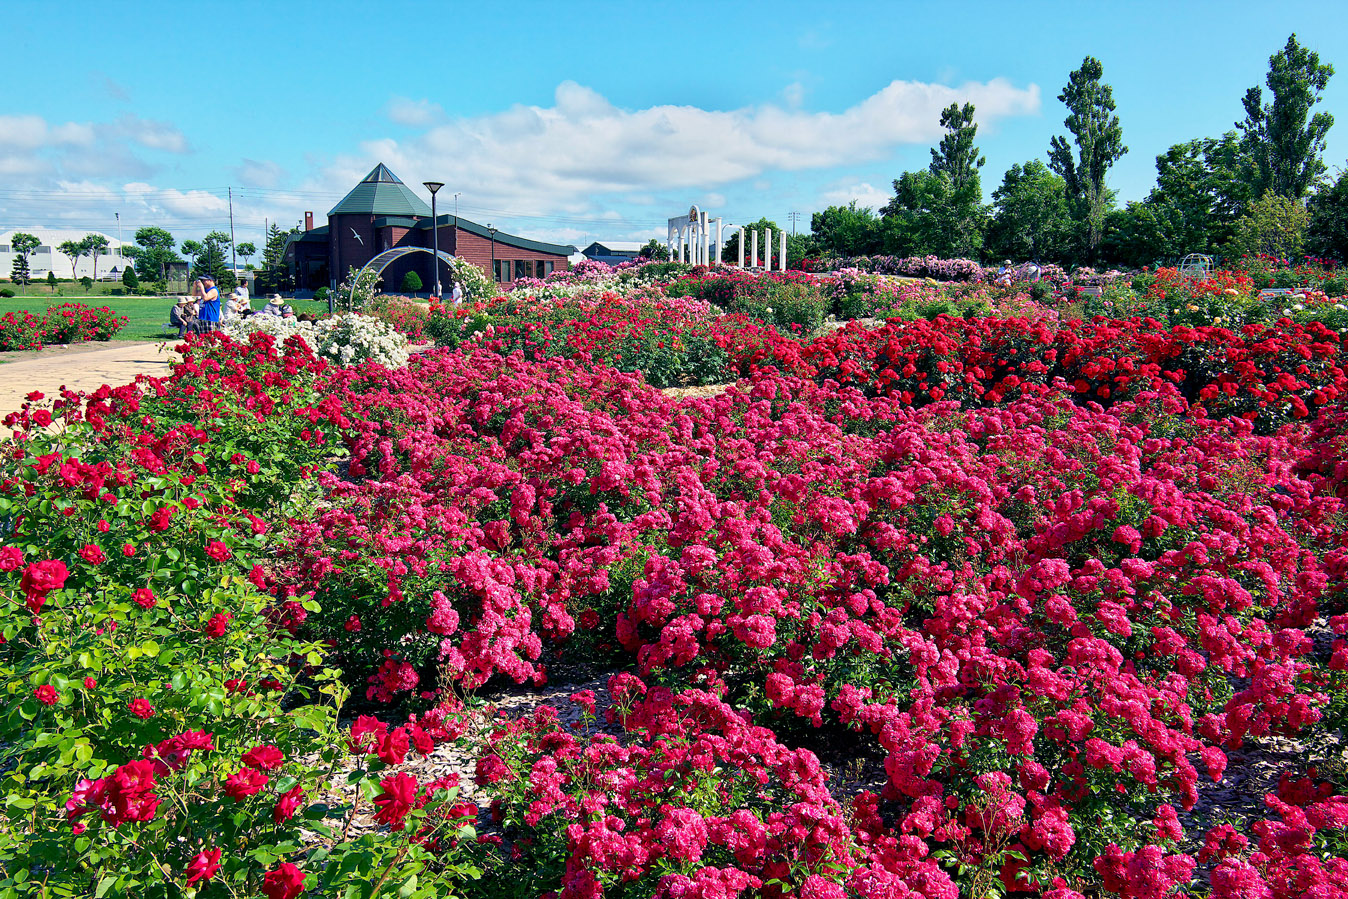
[956,155]
[1281,140]
[1099,144]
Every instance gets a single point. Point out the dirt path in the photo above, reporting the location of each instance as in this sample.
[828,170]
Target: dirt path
[85,367]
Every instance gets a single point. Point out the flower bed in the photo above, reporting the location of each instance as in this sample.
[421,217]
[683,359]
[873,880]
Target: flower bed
[1039,579]
[63,324]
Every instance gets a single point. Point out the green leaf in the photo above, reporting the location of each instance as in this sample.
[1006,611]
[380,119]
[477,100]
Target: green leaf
[103,886]
[409,887]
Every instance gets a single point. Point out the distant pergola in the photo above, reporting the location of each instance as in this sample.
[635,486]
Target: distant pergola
[388,257]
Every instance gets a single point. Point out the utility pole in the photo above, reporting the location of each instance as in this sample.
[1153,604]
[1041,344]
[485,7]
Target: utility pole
[120,251]
[795,217]
[233,259]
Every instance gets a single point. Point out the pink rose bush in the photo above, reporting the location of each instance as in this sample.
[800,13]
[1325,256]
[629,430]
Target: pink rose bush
[1035,583]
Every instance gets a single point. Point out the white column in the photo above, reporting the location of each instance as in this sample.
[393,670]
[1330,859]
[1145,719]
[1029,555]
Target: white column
[681,259]
[720,238]
[706,241]
[783,251]
[767,249]
[743,238]
[753,257]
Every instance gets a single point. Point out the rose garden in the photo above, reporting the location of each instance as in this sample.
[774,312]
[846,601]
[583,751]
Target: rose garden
[840,584]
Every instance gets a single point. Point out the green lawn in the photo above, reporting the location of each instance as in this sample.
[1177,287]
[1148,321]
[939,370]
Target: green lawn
[146,316]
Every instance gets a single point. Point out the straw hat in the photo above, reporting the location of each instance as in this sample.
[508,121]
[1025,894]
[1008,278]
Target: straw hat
[182,300]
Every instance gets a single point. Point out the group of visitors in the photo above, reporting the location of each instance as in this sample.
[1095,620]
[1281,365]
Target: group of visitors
[203,311]
[1009,273]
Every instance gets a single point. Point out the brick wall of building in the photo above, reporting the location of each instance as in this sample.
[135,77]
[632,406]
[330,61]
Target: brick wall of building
[478,251]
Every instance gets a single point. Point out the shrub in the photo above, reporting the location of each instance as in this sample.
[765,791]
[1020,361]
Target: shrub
[51,279]
[6,292]
[87,283]
[346,338]
[411,282]
[321,295]
[476,285]
[130,279]
[166,731]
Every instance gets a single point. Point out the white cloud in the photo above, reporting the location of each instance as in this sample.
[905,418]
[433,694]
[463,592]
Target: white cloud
[563,156]
[265,173]
[30,145]
[794,94]
[153,135]
[863,193]
[414,113]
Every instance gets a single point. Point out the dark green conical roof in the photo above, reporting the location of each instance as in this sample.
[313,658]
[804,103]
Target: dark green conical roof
[381,193]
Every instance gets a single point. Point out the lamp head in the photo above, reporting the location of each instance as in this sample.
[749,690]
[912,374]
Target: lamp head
[433,186]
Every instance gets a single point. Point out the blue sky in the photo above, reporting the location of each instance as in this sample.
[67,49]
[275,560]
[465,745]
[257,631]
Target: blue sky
[574,122]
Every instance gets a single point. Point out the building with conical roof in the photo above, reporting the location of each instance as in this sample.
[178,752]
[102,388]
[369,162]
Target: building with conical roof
[381,212]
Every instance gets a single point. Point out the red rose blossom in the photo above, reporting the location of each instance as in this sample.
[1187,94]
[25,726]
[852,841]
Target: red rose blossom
[46,694]
[141,707]
[244,783]
[264,758]
[218,551]
[286,882]
[202,867]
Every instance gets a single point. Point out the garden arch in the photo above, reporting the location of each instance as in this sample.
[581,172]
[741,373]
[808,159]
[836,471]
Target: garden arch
[388,257]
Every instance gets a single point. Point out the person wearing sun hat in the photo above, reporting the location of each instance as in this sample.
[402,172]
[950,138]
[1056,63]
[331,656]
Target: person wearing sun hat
[183,316]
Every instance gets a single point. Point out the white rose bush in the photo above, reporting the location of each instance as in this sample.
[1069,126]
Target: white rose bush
[348,338]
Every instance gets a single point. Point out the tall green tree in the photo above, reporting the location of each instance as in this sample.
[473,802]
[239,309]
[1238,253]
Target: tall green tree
[927,216]
[154,251]
[1031,219]
[19,272]
[1198,197]
[957,155]
[23,245]
[1281,139]
[1274,226]
[96,245]
[246,249]
[1099,144]
[212,260]
[1327,233]
[273,253]
[192,249]
[73,250]
[846,230]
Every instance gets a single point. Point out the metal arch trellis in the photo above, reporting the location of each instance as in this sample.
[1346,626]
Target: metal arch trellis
[1196,266]
[388,257]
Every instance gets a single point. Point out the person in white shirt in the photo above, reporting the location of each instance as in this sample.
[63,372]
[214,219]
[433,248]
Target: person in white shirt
[239,304]
[456,295]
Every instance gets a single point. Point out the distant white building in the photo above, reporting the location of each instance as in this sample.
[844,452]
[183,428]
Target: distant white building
[47,258]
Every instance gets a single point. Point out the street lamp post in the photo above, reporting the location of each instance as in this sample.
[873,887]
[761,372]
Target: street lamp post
[492,232]
[434,186]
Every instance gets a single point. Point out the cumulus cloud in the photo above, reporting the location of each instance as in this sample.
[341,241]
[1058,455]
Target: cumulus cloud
[264,173]
[563,156]
[863,193]
[151,134]
[414,113]
[30,145]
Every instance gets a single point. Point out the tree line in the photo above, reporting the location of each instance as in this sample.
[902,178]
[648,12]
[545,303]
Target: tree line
[1260,188]
[155,252]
